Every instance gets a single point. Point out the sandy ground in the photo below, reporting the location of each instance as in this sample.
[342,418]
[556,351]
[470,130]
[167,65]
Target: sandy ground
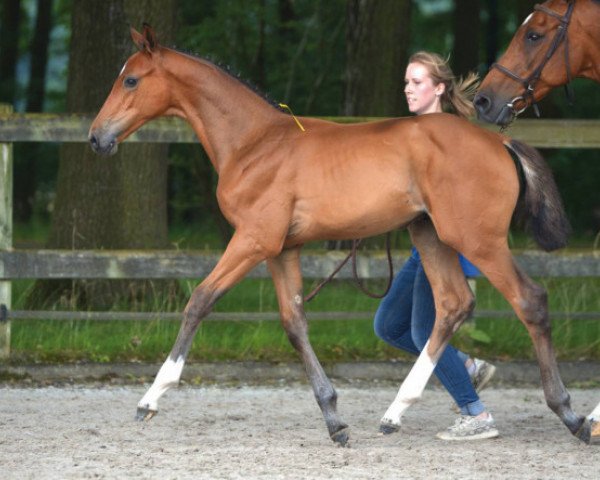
[277,432]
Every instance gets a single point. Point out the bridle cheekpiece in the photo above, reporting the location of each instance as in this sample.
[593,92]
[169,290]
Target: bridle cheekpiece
[529,83]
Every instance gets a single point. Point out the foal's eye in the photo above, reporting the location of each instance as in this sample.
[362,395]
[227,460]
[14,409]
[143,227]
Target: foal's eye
[130,82]
[533,36]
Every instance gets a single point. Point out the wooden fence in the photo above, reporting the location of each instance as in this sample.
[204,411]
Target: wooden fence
[60,264]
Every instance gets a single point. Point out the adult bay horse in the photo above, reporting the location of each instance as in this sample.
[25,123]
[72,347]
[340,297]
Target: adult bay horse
[559,41]
[452,183]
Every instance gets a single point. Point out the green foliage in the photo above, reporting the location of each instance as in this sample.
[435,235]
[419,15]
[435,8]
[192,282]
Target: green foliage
[295,56]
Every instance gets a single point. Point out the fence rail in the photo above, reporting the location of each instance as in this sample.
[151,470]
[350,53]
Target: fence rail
[59,264]
[43,127]
[149,264]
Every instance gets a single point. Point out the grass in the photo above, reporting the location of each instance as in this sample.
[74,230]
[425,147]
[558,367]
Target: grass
[340,340]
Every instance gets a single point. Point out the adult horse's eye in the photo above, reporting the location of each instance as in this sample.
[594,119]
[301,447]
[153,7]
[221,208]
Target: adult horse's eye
[533,36]
[130,82]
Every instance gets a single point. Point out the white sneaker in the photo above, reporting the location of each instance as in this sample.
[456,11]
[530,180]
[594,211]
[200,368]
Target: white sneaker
[470,428]
[483,374]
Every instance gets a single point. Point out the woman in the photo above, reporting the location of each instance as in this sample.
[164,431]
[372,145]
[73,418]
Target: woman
[406,315]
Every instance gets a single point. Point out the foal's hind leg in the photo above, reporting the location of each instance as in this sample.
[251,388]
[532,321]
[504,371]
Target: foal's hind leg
[529,301]
[453,304]
[287,276]
[242,254]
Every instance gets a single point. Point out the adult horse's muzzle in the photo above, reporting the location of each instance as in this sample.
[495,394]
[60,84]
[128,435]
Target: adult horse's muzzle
[103,142]
[491,110]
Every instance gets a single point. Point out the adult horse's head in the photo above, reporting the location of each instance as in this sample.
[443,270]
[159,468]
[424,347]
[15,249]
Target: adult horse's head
[137,96]
[552,46]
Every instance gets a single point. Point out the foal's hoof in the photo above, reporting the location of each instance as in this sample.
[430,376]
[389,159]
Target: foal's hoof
[594,431]
[388,428]
[341,437]
[589,431]
[144,414]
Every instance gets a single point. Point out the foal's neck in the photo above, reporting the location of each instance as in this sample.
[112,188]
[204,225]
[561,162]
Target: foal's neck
[225,114]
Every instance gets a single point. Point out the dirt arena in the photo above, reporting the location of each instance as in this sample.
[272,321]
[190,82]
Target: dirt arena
[277,432]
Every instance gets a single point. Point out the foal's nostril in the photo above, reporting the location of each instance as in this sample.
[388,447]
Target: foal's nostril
[482,103]
[94,142]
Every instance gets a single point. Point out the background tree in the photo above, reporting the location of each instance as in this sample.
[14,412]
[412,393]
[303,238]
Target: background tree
[377,39]
[27,155]
[467,31]
[491,33]
[10,25]
[116,202]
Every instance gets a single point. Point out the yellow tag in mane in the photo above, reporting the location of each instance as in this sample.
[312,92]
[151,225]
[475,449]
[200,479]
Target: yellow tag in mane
[284,106]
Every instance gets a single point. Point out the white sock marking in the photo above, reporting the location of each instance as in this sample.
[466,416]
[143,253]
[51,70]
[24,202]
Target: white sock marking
[411,389]
[595,415]
[168,376]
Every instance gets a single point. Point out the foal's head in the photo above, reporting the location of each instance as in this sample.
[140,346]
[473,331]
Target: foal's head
[544,53]
[139,94]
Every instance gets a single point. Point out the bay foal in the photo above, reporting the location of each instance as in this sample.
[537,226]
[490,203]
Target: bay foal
[453,184]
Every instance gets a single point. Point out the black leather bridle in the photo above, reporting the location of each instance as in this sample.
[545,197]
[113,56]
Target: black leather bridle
[529,82]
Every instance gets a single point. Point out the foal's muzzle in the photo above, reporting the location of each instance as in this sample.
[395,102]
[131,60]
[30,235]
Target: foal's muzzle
[103,144]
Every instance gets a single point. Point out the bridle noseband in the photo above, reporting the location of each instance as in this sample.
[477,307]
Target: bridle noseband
[530,82]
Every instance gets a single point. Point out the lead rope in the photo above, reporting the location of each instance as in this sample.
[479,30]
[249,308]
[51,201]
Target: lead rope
[355,244]
[390,267]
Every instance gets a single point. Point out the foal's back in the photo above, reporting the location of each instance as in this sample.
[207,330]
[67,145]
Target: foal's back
[364,179]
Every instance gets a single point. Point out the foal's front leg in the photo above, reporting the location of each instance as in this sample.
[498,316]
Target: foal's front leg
[241,256]
[594,419]
[287,276]
[453,304]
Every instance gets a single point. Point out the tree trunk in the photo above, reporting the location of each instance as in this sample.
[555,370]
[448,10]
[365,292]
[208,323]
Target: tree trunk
[9,49]
[491,37]
[39,56]
[259,60]
[467,28]
[27,155]
[108,203]
[377,39]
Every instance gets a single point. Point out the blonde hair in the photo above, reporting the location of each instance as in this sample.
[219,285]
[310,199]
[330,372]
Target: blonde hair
[458,94]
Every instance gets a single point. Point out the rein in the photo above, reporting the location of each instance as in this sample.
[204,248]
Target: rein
[355,244]
[531,80]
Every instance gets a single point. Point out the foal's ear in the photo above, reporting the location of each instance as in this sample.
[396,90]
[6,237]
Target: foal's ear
[145,41]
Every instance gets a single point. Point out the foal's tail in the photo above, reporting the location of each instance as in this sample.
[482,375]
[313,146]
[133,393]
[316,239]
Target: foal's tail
[540,205]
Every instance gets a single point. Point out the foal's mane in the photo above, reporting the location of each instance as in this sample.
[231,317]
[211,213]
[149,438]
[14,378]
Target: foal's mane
[234,74]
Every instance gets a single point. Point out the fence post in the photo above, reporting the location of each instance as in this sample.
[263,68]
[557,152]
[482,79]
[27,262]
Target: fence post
[6,231]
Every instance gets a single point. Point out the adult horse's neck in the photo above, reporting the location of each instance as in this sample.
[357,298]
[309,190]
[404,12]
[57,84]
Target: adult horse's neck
[225,114]
[587,20]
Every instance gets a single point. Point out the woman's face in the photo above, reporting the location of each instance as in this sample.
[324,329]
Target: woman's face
[421,93]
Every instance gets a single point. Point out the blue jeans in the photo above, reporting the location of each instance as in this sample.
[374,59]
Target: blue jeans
[405,319]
